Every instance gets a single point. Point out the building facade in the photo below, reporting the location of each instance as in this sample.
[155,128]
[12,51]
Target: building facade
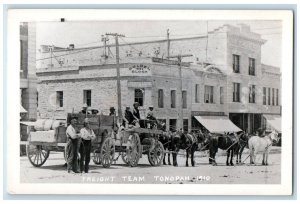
[224,76]
[28,80]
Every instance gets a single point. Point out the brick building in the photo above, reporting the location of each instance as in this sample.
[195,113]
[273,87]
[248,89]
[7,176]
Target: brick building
[225,76]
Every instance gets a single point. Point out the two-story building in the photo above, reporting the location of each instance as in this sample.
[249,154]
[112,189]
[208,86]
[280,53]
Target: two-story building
[225,77]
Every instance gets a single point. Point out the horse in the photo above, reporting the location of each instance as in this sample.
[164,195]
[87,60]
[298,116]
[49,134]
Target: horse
[261,144]
[228,142]
[243,142]
[190,142]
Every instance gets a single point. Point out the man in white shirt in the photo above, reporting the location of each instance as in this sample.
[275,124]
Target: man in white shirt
[72,147]
[87,135]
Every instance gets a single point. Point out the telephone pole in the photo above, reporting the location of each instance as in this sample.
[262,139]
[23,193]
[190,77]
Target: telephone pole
[179,61]
[168,41]
[116,35]
[104,39]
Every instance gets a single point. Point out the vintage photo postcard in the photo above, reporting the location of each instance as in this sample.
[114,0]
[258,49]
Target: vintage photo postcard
[150,102]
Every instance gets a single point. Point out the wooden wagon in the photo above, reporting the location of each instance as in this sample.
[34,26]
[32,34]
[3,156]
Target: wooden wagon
[111,142]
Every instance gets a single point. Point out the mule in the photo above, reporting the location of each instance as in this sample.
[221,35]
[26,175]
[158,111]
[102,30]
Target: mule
[228,142]
[261,144]
[165,139]
[190,142]
[243,143]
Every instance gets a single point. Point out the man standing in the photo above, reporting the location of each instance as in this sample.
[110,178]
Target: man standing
[72,147]
[87,135]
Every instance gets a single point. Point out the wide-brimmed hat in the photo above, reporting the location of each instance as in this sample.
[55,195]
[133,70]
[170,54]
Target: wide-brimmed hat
[127,107]
[136,103]
[112,108]
[151,106]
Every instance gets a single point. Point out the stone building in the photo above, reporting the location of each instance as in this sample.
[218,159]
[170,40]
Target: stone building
[28,80]
[223,77]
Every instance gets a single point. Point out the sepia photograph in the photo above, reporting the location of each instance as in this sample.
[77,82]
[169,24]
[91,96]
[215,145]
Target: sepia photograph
[172,101]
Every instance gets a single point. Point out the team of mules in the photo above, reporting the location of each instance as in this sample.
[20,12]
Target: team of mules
[232,143]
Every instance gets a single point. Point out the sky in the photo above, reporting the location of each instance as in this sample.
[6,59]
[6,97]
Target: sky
[88,33]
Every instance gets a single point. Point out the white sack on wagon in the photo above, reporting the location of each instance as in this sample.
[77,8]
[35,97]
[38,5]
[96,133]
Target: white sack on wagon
[39,124]
[43,136]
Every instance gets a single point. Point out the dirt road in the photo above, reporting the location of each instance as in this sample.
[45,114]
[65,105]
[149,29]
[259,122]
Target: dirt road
[53,171]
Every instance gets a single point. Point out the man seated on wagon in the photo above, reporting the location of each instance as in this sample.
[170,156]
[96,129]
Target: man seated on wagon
[136,112]
[85,109]
[128,118]
[150,116]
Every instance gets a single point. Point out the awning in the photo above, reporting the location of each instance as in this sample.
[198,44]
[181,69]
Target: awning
[274,121]
[22,110]
[217,124]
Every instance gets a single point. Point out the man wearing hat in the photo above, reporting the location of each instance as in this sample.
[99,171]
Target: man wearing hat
[128,117]
[150,116]
[112,111]
[84,109]
[136,112]
[87,135]
[72,147]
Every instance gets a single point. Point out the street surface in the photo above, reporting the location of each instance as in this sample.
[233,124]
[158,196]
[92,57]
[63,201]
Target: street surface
[53,171]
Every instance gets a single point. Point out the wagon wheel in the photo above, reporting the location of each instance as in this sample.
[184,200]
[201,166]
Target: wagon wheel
[156,154]
[107,152]
[37,154]
[134,149]
[97,156]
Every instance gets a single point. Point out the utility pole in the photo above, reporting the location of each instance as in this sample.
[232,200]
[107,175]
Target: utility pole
[104,39]
[168,41]
[116,35]
[179,60]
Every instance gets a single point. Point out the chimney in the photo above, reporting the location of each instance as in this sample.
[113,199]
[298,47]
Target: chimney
[244,28]
[71,46]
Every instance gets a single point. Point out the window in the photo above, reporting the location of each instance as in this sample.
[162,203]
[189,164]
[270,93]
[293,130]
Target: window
[269,96]
[209,94]
[264,96]
[184,101]
[87,97]
[173,98]
[273,96]
[236,92]
[185,125]
[221,95]
[59,99]
[236,63]
[173,125]
[277,97]
[197,89]
[160,98]
[139,96]
[252,94]
[251,66]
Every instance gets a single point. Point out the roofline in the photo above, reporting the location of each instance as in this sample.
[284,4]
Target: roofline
[133,43]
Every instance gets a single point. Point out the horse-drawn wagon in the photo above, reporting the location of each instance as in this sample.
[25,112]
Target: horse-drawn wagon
[111,141]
